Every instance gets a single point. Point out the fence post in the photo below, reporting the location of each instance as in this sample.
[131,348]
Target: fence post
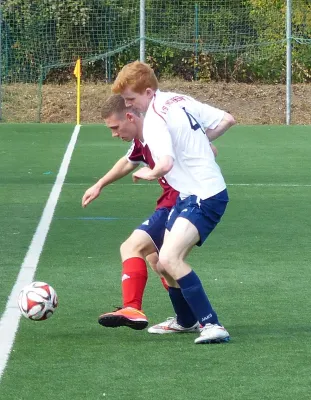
[196,39]
[40,94]
[142,30]
[0,60]
[108,58]
[288,59]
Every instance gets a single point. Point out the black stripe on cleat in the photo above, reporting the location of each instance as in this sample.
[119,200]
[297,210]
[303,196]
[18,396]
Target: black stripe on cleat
[116,321]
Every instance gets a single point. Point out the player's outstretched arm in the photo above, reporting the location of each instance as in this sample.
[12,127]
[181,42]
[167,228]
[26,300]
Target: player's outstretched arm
[161,168]
[121,168]
[221,128]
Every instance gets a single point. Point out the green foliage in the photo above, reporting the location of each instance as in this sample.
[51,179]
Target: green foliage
[268,18]
[240,40]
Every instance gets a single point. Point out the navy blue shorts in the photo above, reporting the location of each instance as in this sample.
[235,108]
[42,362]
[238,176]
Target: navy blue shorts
[155,226]
[203,214]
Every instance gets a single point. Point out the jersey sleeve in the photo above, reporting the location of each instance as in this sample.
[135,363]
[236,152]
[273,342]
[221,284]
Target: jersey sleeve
[135,154]
[210,116]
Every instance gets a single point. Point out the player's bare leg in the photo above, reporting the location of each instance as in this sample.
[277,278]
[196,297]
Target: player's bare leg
[184,321]
[177,244]
[153,260]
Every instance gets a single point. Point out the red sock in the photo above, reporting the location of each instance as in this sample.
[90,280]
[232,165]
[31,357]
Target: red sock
[134,279]
[164,283]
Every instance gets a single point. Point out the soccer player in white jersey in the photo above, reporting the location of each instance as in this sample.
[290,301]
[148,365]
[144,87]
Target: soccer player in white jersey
[175,129]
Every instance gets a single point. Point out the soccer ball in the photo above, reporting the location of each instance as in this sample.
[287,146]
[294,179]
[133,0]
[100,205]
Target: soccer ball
[37,301]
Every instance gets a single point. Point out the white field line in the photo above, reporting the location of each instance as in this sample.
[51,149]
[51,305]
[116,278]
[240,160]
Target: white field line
[9,321]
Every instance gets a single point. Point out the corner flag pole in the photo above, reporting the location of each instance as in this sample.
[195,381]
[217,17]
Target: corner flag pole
[77,73]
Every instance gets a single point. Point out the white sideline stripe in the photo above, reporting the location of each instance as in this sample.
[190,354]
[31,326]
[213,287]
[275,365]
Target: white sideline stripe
[9,321]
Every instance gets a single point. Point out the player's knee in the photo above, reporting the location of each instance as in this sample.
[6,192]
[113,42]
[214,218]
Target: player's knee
[167,260]
[161,270]
[127,248]
[123,248]
[132,247]
[152,260]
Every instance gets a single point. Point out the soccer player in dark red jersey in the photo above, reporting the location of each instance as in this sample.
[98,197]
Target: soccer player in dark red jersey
[146,240]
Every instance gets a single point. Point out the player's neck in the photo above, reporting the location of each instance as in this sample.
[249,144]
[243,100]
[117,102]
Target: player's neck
[140,135]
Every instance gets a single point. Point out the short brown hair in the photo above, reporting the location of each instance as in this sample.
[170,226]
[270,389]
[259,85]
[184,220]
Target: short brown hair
[138,76]
[115,104]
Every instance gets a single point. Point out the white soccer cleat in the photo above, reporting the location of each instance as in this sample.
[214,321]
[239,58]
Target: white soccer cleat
[171,326]
[211,333]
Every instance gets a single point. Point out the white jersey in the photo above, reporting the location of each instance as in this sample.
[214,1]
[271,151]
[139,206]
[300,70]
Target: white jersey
[175,126]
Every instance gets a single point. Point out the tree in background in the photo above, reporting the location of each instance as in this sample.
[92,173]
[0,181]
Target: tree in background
[240,40]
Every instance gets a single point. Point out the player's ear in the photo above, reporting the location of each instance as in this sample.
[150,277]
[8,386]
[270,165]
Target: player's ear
[149,93]
[129,116]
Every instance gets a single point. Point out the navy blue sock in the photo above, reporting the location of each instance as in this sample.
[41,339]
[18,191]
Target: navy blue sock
[194,294]
[183,312]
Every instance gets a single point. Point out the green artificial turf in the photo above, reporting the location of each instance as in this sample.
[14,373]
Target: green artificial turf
[255,267]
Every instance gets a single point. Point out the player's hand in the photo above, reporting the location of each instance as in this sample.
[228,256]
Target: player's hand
[91,194]
[143,173]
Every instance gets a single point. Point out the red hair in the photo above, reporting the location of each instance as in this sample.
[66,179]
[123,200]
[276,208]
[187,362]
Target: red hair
[136,75]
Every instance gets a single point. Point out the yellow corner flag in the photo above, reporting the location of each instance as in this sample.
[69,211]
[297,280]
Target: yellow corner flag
[77,70]
[77,74]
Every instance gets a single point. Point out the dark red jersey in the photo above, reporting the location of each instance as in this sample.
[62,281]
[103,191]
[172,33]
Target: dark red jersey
[139,153]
